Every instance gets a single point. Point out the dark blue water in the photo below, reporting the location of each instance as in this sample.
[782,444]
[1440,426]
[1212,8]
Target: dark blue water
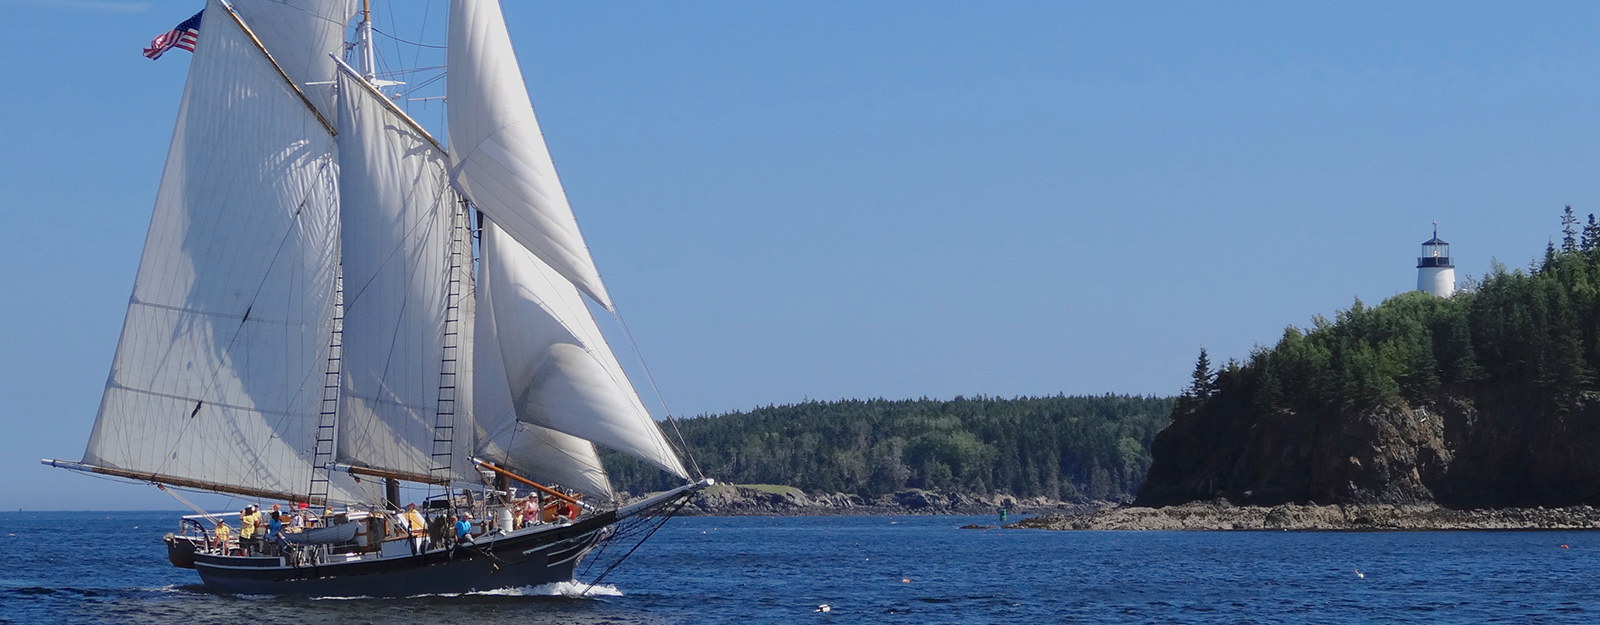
[79,567]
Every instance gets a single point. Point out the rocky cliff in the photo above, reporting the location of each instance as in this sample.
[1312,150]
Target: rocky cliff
[1490,450]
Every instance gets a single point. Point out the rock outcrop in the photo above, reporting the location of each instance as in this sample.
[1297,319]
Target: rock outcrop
[1461,452]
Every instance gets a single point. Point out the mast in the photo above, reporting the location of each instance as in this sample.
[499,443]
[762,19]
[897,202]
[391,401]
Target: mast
[364,43]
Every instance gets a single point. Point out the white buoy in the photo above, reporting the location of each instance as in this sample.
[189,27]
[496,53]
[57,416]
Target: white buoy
[824,608]
[1360,575]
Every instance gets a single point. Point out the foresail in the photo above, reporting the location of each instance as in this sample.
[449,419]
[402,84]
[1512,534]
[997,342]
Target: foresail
[542,454]
[300,35]
[561,373]
[399,231]
[500,158]
[217,376]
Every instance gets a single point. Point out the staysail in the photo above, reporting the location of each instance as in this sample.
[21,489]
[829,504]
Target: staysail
[402,233]
[499,154]
[537,452]
[216,379]
[561,372]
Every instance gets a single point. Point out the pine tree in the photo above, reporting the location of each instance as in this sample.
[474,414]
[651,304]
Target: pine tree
[1569,236]
[1203,383]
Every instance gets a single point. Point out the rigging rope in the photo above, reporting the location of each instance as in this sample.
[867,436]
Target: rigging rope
[420,45]
[616,313]
[180,499]
[662,523]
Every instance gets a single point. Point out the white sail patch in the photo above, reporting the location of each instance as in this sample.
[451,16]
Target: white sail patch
[217,376]
[500,158]
[300,35]
[562,374]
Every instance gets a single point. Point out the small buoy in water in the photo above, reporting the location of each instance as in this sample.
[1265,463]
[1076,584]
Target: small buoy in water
[1565,547]
[1360,575]
[823,608]
[905,580]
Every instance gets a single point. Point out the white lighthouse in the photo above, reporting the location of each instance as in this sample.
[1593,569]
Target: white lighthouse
[1435,274]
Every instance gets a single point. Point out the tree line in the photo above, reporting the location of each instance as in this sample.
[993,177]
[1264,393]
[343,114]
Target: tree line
[1068,448]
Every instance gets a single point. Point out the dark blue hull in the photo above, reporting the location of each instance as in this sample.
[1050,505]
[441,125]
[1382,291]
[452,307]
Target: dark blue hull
[526,558]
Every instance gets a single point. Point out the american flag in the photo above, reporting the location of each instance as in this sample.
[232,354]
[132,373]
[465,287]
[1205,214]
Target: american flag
[183,36]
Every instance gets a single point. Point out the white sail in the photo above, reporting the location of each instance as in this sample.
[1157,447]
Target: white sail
[500,158]
[562,373]
[542,454]
[399,228]
[300,35]
[217,379]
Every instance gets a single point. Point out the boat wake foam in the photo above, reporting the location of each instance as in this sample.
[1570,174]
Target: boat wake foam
[569,590]
[572,589]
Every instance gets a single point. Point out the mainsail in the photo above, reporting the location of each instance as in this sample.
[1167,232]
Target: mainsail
[216,379]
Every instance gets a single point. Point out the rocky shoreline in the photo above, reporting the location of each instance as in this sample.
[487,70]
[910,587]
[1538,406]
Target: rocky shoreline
[1222,516]
[762,500]
[1215,515]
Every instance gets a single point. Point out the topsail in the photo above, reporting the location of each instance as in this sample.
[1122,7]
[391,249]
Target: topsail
[500,158]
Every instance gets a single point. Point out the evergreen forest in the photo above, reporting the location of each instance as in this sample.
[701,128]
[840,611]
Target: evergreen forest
[1067,448]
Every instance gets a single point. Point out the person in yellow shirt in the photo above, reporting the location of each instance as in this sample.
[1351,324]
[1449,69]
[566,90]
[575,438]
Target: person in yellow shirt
[248,519]
[417,527]
[223,534]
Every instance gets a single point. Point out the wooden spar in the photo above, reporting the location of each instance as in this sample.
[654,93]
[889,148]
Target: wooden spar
[179,482]
[395,475]
[542,488]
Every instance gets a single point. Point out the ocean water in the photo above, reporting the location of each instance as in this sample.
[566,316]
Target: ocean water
[99,567]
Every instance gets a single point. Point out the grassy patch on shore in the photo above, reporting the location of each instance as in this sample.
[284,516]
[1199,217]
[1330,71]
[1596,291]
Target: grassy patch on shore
[765,488]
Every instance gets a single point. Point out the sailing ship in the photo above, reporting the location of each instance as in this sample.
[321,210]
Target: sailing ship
[331,304]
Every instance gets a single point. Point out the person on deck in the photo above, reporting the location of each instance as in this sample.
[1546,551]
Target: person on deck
[530,513]
[248,518]
[222,533]
[417,528]
[464,528]
[275,530]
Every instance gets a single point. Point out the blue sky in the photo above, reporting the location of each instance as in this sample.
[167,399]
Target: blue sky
[823,200]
